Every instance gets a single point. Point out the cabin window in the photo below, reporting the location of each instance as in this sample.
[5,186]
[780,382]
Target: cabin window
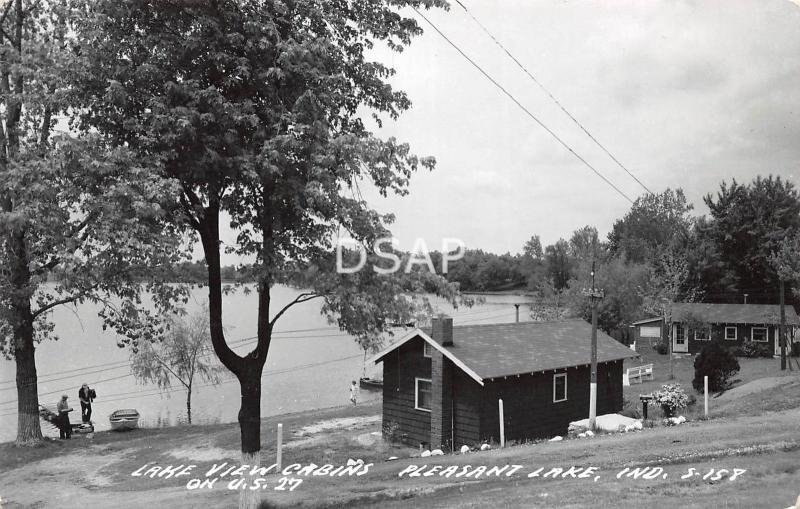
[702,335]
[680,332]
[759,334]
[559,387]
[730,333]
[427,349]
[422,399]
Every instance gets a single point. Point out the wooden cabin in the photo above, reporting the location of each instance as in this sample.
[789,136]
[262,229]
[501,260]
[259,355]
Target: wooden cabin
[441,386]
[731,324]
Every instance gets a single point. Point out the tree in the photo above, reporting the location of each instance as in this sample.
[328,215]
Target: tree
[748,224]
[559,264]
[179,355]
[255,109]
[786,264]
[584,244]
[65,206]
[622,303]
[667,284]
[533,248]
[650,225]
[718,363]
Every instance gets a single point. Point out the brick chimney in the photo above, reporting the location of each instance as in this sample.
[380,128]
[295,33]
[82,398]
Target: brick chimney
[442,330]
[441,385]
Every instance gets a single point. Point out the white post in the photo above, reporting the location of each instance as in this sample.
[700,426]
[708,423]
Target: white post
[280,446]
[705,387]
[502,424]
[592,405]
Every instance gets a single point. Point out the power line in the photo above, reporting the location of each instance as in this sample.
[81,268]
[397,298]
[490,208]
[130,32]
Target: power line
[556,101]
[523,108]
[132,394]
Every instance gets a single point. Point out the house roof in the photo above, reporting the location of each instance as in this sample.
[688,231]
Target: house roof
[647,320]
[734,313]
[496,350]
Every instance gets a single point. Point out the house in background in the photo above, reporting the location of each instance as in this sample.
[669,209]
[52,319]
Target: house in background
[649,329]
[441,386]
[732,324]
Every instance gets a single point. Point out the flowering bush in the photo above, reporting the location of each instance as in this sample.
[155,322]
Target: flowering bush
[671,398]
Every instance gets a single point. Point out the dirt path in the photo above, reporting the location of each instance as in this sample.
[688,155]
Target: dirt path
[767,446]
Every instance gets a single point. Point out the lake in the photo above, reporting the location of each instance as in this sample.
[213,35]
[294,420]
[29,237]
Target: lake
[310,365]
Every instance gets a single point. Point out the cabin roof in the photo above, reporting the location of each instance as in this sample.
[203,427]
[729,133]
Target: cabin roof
[506,349]
[734,313]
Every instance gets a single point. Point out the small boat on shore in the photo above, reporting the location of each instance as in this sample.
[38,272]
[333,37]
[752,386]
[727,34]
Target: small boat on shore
[370,383]
[122,420]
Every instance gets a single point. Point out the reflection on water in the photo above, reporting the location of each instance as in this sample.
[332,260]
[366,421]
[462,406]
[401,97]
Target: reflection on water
[310,364]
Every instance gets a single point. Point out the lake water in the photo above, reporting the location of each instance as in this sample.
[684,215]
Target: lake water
[310,364]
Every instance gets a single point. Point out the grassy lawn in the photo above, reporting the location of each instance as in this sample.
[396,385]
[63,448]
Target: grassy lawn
[683,369]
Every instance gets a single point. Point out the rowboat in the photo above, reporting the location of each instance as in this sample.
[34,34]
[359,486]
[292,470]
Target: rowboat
[122,420]
[370,383]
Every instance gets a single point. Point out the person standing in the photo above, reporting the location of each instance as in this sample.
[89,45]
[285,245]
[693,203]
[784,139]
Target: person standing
[86,395]
[354,392]
[64,426]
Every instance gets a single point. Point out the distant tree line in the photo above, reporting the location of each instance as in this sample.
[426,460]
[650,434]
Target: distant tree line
[657,253]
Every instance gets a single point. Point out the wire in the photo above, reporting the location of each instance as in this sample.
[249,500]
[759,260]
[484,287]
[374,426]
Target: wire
[135,394]
[556,101]
[523,108]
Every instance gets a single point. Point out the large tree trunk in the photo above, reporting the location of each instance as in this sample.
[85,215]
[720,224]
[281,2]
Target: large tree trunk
[29,429]
[247,369]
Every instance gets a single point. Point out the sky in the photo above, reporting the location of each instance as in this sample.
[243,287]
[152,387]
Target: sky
[685,94]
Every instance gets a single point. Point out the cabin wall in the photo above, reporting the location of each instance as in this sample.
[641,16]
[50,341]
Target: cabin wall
[743,333]
[400,368]
[529,410]
[466,410]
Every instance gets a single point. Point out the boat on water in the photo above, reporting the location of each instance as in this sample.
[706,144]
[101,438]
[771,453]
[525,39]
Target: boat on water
[122,420]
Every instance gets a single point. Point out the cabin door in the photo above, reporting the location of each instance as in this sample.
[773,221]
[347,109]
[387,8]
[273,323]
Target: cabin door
[679,342]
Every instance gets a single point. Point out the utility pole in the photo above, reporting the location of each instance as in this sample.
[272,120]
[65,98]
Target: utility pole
[594,296]
[783,329]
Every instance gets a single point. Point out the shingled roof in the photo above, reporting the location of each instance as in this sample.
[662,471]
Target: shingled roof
[734,313]
[505,349]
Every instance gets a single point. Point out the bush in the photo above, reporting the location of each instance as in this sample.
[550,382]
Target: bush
[661,347]
[752,349]
[671,398]
[716,362]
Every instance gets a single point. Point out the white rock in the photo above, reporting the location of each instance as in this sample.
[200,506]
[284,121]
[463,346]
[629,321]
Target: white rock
[485,447]
[589,433]
[464,449]
[681,419]
[437,452]
[637,425]
[582,435]
[392,458]
[557,438]
[425,454]
[351,462]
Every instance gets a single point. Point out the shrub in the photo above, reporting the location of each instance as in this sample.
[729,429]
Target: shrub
[716,362]
[752,349]
[671,398]
[391,431]
[661,347]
